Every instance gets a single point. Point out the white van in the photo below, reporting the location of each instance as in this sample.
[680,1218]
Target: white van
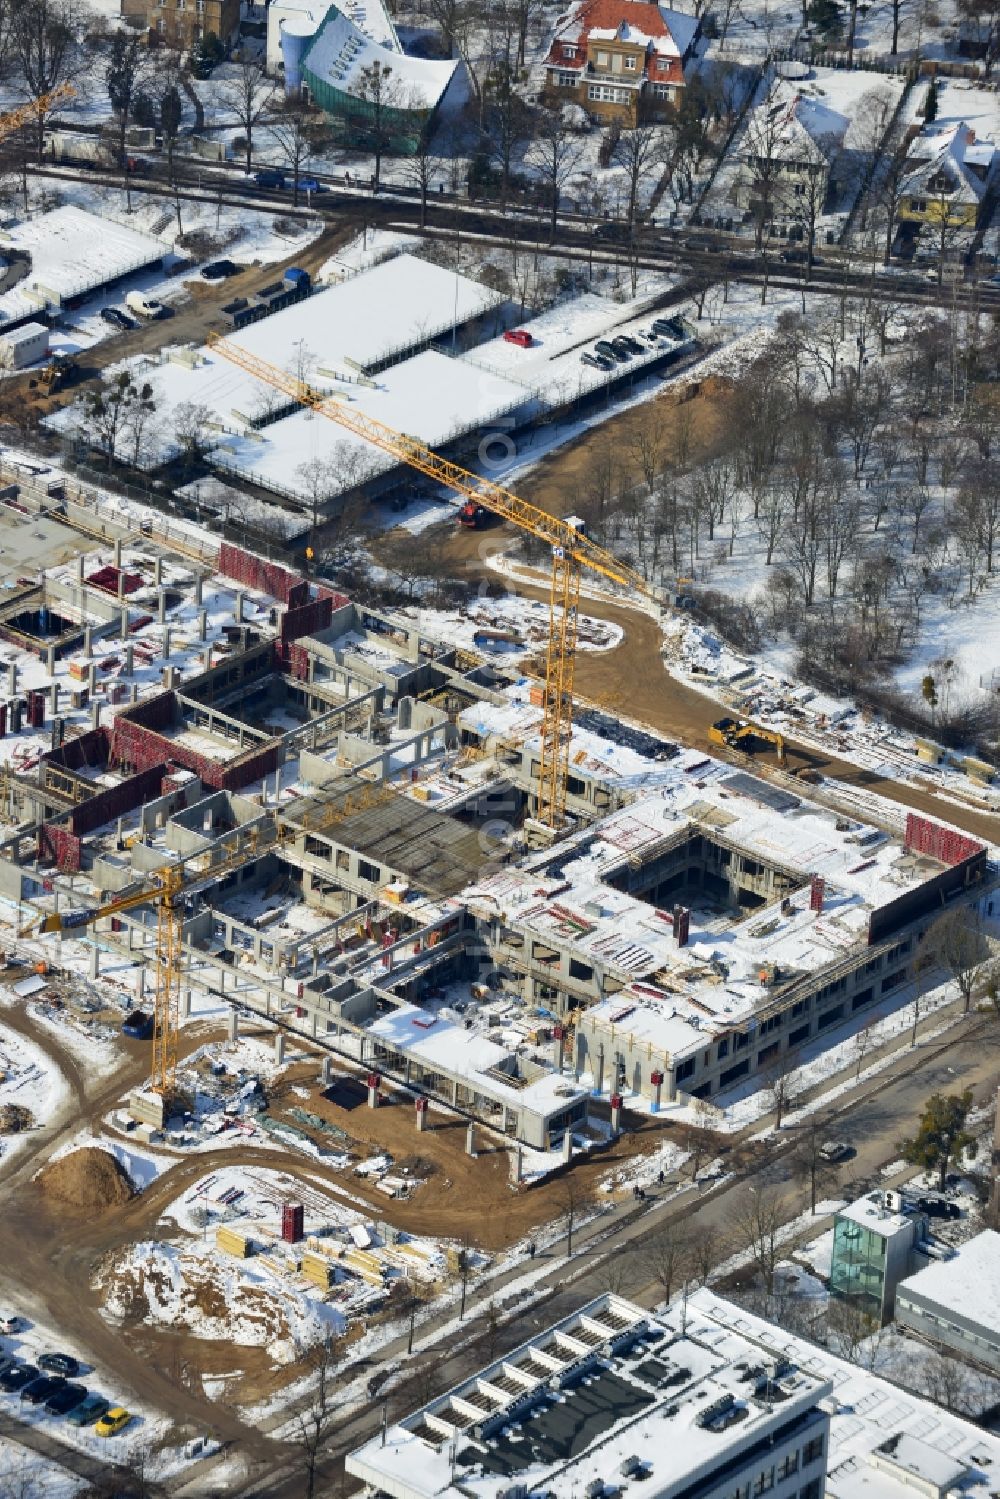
[138,302]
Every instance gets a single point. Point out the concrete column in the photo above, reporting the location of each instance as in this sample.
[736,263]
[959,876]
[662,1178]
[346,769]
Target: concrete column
[199,584]
[616,1113]
[92,677]
[326,1074]
[141,986]
[95,715]
[166,642]
[80,578]
[157,570]
[129,659]
[470,1141]
[118,553]
[202,623]
[95,961]
[421,1114]
[207,658]
[558,1035]
[373,1090]
[599,1080]
[518,1164]
[567,1148]
[671,1086]
[13,677]
[88,640]
[234,1025]
[279,1048]
[134,696]
[656,1082]
[54,695]
[186,1004]
[123,625]
[50,660]
[238,606]
[161,606]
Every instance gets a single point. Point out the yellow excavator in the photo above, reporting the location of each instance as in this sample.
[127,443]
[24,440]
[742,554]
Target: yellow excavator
[741,733]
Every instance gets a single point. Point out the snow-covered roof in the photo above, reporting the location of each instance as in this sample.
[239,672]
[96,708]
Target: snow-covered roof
[954,151]
[884,1441]
[642,23]
[72,252]
[968,1283]
[795,126]
[341,52]
[568,1436]
[872,1213]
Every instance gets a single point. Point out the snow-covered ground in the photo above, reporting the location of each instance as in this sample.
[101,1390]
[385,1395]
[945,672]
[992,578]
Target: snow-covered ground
[31,1081]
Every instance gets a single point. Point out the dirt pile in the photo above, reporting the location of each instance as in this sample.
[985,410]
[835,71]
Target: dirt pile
[90,1179]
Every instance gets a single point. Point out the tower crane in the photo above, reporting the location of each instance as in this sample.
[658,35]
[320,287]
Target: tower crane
[28,114]
[168,885]
[572,551]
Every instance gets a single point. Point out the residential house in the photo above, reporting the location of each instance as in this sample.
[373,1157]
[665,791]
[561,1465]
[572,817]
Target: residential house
[184,22]
[336,61]
[949,173]
[788,156]
[621,59]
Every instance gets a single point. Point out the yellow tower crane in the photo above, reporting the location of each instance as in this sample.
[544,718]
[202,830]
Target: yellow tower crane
[28,114]
[169,884]
[572,551]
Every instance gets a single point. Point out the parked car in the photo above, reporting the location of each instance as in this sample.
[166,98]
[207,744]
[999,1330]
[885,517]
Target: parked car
[17,1377]
[39,1389]
[311,185]
[594,360]
[603,348]
[669,327]
[622,348]
[113,1421]
[218,270]
[91,1409]
[632,343]
[519,336]
[835,1150]
[269,177]
[59,1363]
[936,1207]
[144,306]
[65,1400]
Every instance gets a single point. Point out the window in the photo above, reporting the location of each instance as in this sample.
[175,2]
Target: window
[579,970]
[830,1017]
[796,1037]
[811,1490]
[630,64]
[732,1073]
[788,1465]
[568,52]
[741,1041]
[722,1050]
[662,91]
[768,1053]
[892,979]
[812,1452]
[763,1482]
[566,80]
[685,1069]
[602,59]
[368,871]
[604,94]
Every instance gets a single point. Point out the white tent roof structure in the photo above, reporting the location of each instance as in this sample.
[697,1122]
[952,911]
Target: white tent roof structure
[340,53]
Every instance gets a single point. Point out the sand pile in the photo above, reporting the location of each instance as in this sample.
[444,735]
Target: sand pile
[90,1178]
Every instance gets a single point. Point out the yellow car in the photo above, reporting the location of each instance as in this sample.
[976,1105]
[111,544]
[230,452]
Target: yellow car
[112,1421]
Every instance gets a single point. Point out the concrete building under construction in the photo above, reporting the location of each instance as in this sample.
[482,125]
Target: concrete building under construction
[346,797]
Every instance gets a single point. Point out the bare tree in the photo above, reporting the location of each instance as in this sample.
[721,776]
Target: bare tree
[192,420]
[248,95]
[957,943]
[45,50]
[555,153]
[756,1233]
[420,170]
[107,410]
[298,134]
[377,127]
[314,1423]
[809,1164]
[638,150]
[667,1256]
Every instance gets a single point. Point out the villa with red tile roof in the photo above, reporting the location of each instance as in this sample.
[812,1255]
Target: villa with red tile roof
[620,59]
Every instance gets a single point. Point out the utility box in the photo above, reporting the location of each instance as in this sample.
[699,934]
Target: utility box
[24,346]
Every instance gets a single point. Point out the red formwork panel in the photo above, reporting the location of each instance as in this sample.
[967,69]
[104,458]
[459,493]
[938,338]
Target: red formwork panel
[90,749]
[307,619]
[60,846]
[923,836]
[281,583]
[106,578]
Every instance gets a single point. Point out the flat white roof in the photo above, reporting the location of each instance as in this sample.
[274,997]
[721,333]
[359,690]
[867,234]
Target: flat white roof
[645,1393]
[429,396]
[24,334]
[72,252]
[868,1414]
[341,52]
[870,1212]
[968,1284]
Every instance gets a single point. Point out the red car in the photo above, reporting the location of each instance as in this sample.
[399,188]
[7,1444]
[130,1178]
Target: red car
[519,336]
